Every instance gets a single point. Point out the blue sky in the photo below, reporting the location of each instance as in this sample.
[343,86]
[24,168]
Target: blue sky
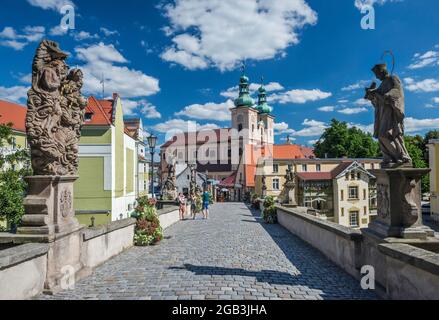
[179,61]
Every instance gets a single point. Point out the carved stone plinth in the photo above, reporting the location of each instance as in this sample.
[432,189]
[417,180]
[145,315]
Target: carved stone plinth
[50,217]
[399,204]
[49,207]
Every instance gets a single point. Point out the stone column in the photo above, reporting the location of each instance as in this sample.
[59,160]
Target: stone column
[399,204]
[50,217]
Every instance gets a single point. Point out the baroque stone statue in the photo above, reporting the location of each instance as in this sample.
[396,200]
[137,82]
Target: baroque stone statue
[55,113]
[169,188]
[388,100]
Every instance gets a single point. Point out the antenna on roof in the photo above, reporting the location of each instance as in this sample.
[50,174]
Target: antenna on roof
[103,86]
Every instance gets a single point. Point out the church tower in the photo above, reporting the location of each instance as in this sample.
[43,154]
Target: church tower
[245,115]
[265,119]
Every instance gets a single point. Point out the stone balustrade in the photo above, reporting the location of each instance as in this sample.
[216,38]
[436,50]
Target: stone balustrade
[404,269]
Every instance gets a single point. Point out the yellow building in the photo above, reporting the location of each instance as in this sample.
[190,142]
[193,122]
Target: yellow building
[434,178]
[340,190]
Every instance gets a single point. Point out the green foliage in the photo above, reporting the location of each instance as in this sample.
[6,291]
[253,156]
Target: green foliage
[255,201]
[270,213]
[148,230]
[341,141]
[13,169]
[417,149]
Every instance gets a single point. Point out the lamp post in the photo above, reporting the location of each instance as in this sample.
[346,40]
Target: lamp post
[152,141]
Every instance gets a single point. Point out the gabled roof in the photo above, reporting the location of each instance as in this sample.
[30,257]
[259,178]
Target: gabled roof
[346,167]
[100,115]
[13,113]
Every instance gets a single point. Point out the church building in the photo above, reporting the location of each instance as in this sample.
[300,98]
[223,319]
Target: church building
[230,155]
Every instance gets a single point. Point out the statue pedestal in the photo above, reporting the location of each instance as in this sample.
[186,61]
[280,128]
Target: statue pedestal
[49,207]
[399,204]
[50,217]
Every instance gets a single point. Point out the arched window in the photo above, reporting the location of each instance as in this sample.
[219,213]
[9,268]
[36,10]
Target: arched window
[240,127]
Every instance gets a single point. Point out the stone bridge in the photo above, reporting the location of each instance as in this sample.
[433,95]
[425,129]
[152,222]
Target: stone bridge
[231,256]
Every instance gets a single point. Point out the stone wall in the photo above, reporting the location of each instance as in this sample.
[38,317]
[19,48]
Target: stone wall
[24,268]
[402,271]
[168,216]
[23,271]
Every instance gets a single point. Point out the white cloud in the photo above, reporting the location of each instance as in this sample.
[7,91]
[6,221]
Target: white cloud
[222,33]
[436,100]
[282,128]
[233,92]
[299,96]
[175,125]
[327,109]
[58,31]
[100,60]
[427,85]
[14,94]
[413,125]
[84,35]
[50,4]
[430,58]
[18,41]
[350,111]
[108,32]
[132,107]
[356,86]
[190,61]
[313,128]
[366,128]
[149,110]
[208,111]
[360,4]
[363,102]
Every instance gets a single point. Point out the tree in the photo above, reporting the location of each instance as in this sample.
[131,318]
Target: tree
[14,166]
[340,141]
[417,148]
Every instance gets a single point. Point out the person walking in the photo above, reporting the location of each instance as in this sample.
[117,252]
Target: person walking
[193,205]
[182,205]
[206,203]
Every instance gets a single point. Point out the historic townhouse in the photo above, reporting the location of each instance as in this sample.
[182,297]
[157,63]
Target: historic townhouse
[340,190]
[112,164]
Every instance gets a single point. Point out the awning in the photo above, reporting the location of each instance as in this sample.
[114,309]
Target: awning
[228,182]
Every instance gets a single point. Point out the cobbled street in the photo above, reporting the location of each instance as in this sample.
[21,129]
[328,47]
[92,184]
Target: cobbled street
[231,256]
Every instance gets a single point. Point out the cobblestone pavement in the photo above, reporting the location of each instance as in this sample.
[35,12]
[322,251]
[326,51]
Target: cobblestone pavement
[230,256]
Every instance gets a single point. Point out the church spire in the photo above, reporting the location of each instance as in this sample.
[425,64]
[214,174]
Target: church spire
[244,99]
[263,107]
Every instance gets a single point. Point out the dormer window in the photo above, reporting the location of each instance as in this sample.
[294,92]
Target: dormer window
[88,116]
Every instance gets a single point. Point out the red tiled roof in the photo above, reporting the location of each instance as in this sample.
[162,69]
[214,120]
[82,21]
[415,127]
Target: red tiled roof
[314,176]
[291,151]
[13,113]
[101,116]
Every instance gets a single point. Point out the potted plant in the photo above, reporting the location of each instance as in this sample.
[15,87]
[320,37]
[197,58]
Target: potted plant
[270,212]
[148,230]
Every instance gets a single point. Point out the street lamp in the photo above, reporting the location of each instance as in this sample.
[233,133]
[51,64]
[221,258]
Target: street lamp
[152,142]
